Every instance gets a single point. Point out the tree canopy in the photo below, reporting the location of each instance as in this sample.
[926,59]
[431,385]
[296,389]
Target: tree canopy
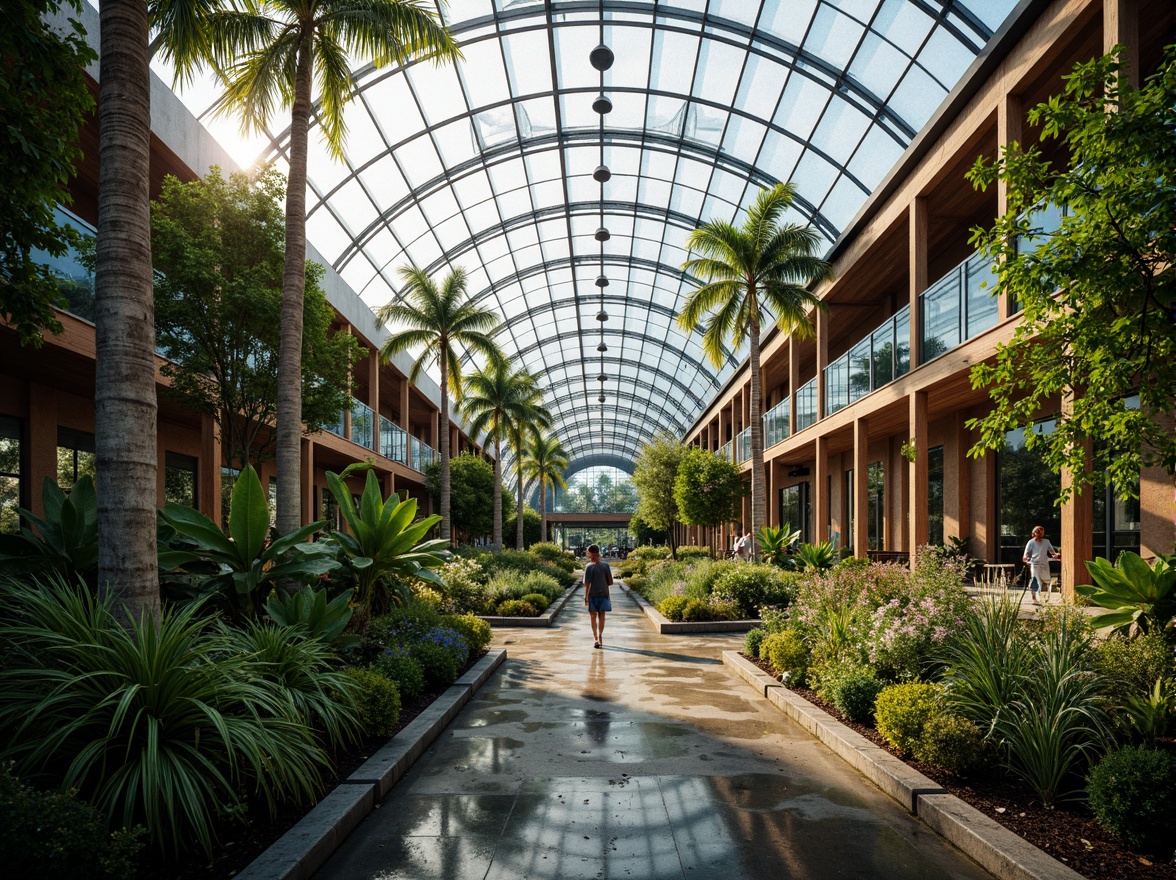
[708,489]
[471,493]
[654,474]
[43,101]
[219,249]
[1097,293]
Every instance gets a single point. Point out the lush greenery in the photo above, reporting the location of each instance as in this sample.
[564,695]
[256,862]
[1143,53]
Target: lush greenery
[471,494]
[1096,291]
[708,489]
[655,473]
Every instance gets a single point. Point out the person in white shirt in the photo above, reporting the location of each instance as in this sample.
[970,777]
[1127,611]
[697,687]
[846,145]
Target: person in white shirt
[1038,552]
[743,547]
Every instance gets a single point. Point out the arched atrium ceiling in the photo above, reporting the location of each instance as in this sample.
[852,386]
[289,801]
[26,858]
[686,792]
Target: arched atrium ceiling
[490,166]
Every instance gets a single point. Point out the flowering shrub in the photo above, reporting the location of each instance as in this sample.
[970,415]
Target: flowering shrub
[516,608]
[398,664]
[475,631]
[672,607]
[428,595]
[465,585]
[751,587]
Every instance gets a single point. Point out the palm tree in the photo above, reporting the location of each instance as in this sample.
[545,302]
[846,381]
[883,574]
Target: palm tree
[270,54]
[495,398]
[125,404]
[748,274]
[521,436]
[546,462]
[438,319]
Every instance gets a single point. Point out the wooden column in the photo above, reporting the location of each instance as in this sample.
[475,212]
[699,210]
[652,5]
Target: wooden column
[861,488]
[820,495]
[404,419]
[1009,119]
[1121,25]
[918,274]
[208,469]
[307,480]
[1077,538]
[1157,504]
[374,395]
[793,384]
[957,501]
[917,472]
[42,454]
[822,359]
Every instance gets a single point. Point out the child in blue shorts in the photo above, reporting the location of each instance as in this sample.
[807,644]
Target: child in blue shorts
[597,579]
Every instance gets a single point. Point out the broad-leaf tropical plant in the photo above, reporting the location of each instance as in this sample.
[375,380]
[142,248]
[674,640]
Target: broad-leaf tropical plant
[437,319]
[545,463]
[1134,592]
[820,557]
[497,398]
[248,565]
[748,276]
[384,545]
[64,540]
[272,54]
[310,609]
[776,544]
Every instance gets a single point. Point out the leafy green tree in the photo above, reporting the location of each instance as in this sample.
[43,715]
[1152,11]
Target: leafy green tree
[708,489]
[496,397]
[750,275]
[1098,295]
[532,525]
[471,494]
[654,474]
[643,533]
[546,462]
[43,101]
[219,251]
[272,54]
[438,318]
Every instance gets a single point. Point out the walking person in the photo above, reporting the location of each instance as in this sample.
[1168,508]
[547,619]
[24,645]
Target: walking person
[1038,552]
[597,579]
[743,548]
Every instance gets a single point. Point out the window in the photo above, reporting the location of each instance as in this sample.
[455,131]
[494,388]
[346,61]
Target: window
[75,456]
[10,473]
[228,480]
[179,479]
[795,510]
[876,494]
[1028,492]
[847,520]
[935,495]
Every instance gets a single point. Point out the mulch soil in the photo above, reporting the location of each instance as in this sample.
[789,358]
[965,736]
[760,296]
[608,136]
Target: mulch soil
[240,843]
[1068,832]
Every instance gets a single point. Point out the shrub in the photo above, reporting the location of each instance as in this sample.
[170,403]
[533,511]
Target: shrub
[702,574]
[475,631]
[672,607]
[52,835]
[514,586]
[538,600]
[402,625]
[950,743]
[1136,663]
[754,586]
[854,693]
[429,596]
[465,585]
[550,552]
[725,609]
[377,697]
[686,554]
[787,651]
[517,562]
[516,608]
[440,666]
[650,552]
[901,710]
[402,667]
[697,610]
[639,585]
[1132,792]
[752,642]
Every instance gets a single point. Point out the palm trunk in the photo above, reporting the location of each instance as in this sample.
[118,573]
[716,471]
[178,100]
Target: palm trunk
[543,511]
[289,414]
[759,494]
[443,442]
[497,493]
[125,402]
[519,472]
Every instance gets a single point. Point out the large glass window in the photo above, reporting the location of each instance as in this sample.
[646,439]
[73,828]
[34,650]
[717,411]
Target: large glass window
[935,495]
[850,511]
[179,479]
[75,456]
[902,342]
[795,509]
[876,492]
[10,473]
[1116,520]
[1028,494]
[836,385]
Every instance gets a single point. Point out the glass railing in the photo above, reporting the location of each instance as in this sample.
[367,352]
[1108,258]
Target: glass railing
[806,405]
[75,281]
[743,446]
[363,420]
[335,427]
[725,451]
[422,456]
[958,306]
[776,423]
[880,358]
[393,441]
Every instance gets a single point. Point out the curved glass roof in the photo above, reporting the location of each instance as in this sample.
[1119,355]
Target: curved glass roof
[490,165]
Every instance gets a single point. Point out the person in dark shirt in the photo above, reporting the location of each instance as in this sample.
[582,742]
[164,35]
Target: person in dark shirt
[597,579]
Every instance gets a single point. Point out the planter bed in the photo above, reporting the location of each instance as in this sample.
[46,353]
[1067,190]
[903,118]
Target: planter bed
[546,619]
[668,627]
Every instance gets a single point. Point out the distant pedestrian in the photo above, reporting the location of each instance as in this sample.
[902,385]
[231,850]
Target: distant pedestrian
[597,579]
[1038,552]
[743,547]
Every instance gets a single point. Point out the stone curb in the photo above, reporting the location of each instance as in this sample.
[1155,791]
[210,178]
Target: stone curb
[306,847]
[546,619]
[693,627]
[995,848]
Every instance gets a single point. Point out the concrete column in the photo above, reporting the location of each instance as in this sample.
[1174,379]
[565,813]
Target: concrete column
[208,470]
[861,486]
[918,274]
[1121,25]
[917,471]
[820,495]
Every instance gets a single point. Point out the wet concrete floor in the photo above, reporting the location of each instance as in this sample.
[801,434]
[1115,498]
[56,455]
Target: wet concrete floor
[647,760]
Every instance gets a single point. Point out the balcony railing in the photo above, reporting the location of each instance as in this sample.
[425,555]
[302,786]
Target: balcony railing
[776,427]
[725,451]
[363,420]
[806,405]
[877,360]
[422,456]
[958,306]
[393,441]
[743,446]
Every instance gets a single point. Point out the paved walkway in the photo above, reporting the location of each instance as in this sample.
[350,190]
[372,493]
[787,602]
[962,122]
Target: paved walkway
[646,760]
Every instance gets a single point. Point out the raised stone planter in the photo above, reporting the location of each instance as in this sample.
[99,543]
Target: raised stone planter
[543,620]
[669,627]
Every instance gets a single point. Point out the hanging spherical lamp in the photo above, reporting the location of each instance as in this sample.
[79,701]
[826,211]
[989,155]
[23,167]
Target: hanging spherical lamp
[601,281]
[601,174]
[602,347]
[602,234]
[601,57]
[602,316]
[602,104]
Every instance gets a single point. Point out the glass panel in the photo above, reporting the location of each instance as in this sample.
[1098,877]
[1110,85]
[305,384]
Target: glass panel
[882,342]
[179,479]
[837,385]
[980,294]
[902,342]
[75,281]
[75,456]
[1028,494]
[941,316]
[393,441]
[806,405]
[859,371]
[362,421]
[10,473]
